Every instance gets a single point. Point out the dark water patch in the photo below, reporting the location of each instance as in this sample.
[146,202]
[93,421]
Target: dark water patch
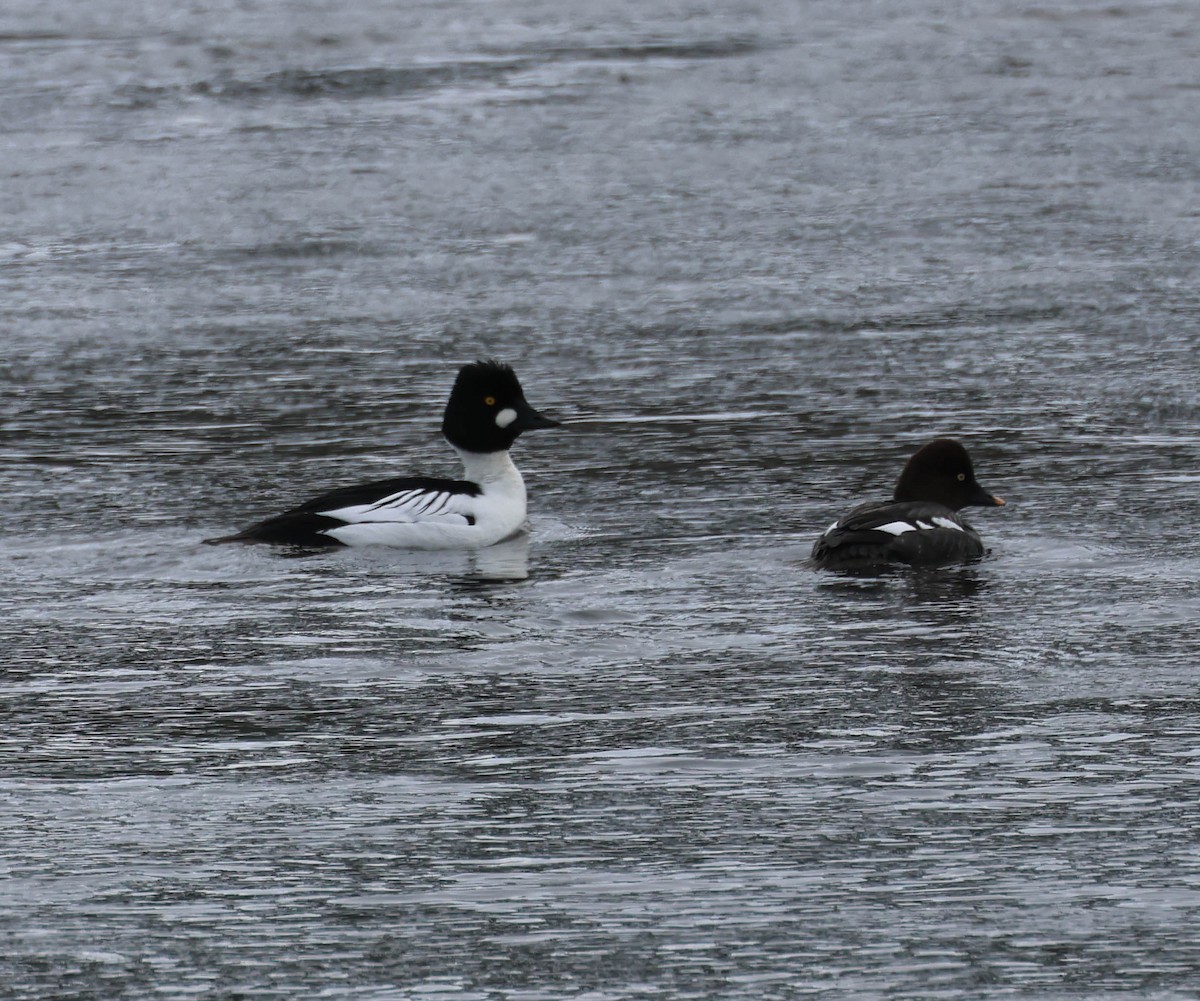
[356,83]
[19,37]
[962,316]
[303,247]
[141,96]
[353,83]
[340,83]
[716,48]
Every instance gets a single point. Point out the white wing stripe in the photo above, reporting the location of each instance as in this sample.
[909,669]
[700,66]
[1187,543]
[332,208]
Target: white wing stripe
[896,527]
[900,527]
[410,506]
[399,499]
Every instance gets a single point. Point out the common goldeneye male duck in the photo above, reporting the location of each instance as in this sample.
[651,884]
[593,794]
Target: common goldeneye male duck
[485,414]
[920,525]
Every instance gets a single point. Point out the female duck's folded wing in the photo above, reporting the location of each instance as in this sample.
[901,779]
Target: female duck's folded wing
[914,532]
[401,500]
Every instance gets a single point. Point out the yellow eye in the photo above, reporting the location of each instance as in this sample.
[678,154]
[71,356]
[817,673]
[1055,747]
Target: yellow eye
[490,401]
[961,477]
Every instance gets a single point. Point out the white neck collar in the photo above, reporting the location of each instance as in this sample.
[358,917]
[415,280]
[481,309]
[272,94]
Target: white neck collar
[487,467]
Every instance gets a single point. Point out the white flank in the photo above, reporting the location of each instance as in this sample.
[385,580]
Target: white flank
[416,519]
[506,417]
[947,523]
[831,527]
[921,524]
[896,527]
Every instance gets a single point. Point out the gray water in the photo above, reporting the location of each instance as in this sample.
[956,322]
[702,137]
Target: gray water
[755,255]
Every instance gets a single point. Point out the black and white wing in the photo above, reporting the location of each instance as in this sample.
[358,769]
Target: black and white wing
[394,511]
[913,533]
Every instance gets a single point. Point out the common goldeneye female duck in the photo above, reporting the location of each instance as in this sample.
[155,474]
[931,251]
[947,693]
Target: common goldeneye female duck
[485,414]
[920,525]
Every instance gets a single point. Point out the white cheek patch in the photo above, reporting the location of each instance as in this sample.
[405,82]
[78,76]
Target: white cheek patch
[506,417]
[947,523]
[896,527]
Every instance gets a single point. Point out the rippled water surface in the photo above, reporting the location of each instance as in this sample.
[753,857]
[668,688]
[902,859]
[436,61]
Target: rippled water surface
[754,255]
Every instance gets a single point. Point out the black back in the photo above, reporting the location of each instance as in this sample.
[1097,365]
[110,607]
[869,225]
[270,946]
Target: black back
[296,528]
[303,524]
[377,490]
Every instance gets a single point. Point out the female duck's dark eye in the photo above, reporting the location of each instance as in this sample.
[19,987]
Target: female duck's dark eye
[961,477]
[489,401]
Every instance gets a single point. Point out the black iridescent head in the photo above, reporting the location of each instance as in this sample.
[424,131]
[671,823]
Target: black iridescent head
[942,473]
[487,409]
